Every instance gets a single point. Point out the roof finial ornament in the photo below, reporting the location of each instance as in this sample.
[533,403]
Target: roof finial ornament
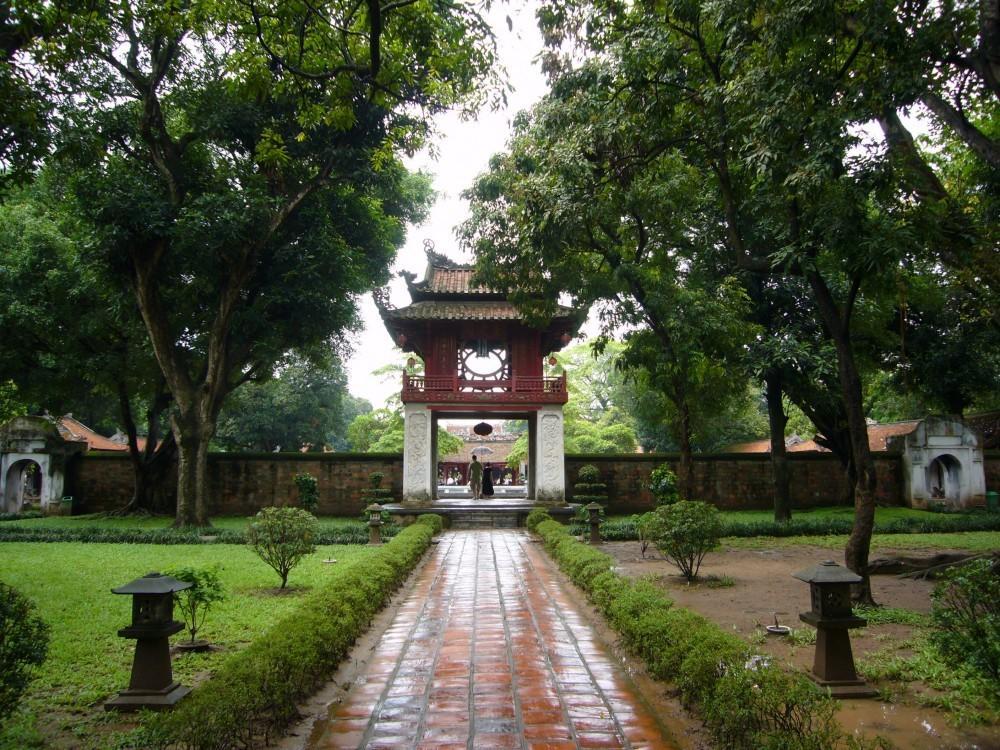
[428,245]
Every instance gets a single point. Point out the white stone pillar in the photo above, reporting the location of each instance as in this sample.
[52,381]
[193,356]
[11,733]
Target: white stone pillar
[418,454]
[550,464]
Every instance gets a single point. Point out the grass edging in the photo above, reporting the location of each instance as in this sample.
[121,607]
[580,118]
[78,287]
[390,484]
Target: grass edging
[744,702]
[97,535]
[624,530]
[255,693]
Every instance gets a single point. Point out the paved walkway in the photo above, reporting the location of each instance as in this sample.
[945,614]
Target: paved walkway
[490,650]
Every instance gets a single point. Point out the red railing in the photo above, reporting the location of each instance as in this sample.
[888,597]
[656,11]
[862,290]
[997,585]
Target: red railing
[452,388]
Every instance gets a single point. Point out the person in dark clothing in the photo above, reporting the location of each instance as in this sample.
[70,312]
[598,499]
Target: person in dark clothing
[487,481]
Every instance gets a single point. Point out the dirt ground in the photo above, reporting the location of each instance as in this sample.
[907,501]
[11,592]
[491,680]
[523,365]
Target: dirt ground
[763,588]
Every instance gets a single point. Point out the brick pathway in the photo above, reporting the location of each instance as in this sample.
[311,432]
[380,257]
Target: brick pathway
[489,650]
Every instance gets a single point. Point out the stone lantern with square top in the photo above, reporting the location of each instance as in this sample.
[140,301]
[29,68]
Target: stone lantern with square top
[832,616]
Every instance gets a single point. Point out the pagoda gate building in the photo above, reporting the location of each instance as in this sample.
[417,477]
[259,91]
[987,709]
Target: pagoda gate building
[482,360]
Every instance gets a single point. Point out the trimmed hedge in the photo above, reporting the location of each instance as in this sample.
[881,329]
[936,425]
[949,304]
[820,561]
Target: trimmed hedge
[625,530]
[349,535]
[254,694]
[21,516]
[712,668]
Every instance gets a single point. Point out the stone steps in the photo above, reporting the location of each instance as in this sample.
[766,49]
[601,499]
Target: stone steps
[484,519]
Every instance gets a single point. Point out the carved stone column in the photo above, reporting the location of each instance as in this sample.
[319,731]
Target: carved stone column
[550,468]
[418,455]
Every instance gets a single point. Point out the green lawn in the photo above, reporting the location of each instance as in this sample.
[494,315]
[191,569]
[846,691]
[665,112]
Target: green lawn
[71,586]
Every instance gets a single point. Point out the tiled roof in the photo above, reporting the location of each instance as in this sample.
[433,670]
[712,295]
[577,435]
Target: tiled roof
[439,310]
[453,281]
[878,435]
[75,431]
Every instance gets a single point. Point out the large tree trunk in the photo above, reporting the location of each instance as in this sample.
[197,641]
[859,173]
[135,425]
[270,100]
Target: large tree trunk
[193,433]
[685,468]
[859,543]
[779,459]
[152,464]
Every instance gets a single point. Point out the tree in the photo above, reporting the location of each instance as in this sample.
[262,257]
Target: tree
[238,162]
[281,537]
[81,346]
[304,405]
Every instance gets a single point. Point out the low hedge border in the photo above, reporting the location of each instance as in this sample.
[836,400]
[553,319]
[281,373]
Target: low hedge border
[745,703]
[624,530]
[254,694]
[97,535]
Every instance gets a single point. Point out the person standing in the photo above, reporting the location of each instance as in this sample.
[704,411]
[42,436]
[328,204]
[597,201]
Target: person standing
[476,478]
[487,481]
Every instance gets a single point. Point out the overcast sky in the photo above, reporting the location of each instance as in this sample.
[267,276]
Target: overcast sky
[463,148]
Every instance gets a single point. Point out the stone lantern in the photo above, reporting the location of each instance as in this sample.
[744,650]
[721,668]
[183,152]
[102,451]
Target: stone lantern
[374,512]
[832,616]
[152,683]
[595,522]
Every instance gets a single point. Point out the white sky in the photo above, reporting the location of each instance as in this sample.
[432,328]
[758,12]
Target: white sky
[464,148]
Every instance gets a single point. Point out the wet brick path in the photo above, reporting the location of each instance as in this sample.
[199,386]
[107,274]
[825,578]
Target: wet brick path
[490,650]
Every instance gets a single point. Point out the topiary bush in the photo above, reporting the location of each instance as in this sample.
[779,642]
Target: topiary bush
[24,644]
[308,487]
[282,537]
[663,485]
[966,616]
[685,532]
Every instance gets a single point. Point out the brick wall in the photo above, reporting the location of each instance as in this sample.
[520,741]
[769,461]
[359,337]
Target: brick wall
[241,484]
[735,480]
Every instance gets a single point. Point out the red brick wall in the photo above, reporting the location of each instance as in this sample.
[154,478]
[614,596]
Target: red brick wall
[991,467]
[735,480]
[241,484]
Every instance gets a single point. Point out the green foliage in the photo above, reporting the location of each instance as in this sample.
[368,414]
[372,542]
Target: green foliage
[308,487]
[687,531]
[195,602]
[432,520]
[535,517]
[257,691]
[281,537]
[744,707]
[24,643]
[306,405]
[966,616]
[588,473]
[663,485]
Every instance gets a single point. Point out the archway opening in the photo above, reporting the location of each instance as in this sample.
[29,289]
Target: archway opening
[23,486]
[497,444]
[944,479]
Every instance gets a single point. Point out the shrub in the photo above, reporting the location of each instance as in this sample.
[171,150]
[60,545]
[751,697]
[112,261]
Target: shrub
[686,532]
[663,485]
[308,487]
[745,708]
[588,474]
[282,537]
[966,616]
[24,643]
[535,517]
[256,692]
[433,520]
[649,527]
[195,602]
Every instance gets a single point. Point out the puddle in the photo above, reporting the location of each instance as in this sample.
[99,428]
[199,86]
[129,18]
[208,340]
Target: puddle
[914,727]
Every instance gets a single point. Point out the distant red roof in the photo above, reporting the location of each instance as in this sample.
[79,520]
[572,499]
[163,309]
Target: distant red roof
[878,436]
[77,432]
